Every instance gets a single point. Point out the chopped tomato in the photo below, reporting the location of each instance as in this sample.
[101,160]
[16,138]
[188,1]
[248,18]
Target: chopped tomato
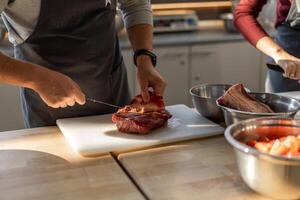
[284,146]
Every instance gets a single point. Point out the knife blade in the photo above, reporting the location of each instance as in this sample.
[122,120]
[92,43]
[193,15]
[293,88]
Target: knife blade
[275,67]
[102,102]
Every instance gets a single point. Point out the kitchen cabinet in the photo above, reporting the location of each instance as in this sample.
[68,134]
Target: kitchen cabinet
[173,65]
[205,65]
[131,70]
[230,63]
[10,108]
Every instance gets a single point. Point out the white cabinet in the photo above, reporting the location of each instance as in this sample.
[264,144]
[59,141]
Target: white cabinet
[173,64]
[235,62]
[131,70]
[10,108]
[205,65]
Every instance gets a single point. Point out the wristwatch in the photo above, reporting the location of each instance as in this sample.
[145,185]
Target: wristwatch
[145,52]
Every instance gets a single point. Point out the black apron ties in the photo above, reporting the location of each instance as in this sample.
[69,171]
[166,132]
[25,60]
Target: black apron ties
[77,38]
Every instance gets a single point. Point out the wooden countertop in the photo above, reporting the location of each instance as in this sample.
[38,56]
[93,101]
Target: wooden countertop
[39,164]
[202,169]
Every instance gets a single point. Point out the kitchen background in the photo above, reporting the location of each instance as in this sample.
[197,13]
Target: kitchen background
[195,43]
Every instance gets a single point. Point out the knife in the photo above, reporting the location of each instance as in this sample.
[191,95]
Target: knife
[101,102]
[275,67]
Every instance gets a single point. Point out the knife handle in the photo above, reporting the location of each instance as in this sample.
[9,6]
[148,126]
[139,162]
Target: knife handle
[275,67]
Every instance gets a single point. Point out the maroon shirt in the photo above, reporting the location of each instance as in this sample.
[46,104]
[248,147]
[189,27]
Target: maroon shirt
[246,13]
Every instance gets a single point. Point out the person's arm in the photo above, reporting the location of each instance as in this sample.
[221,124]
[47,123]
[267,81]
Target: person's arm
[56,90]
[288,62]
[245,18]
[138,21]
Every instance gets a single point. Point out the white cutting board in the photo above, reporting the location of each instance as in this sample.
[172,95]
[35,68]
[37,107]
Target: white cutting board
[97,134]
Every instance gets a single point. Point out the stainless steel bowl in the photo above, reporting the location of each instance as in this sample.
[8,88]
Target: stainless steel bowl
[274,176]
[204,98]
[282,105]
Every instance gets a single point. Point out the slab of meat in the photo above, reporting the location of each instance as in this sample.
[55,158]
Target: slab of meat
[140,117]
[236,97]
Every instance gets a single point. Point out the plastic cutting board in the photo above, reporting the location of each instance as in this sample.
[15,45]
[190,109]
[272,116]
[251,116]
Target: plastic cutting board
[97,134]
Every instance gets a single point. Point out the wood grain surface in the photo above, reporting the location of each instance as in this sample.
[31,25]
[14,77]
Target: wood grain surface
[202,169]
[39,164]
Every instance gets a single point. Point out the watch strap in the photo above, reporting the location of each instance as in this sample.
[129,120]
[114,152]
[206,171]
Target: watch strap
[146,52]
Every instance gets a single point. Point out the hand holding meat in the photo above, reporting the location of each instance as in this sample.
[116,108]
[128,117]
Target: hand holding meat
[58,90]
[149,77]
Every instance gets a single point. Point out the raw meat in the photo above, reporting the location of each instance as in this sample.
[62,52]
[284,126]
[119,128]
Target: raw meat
[139,117]
[236,97]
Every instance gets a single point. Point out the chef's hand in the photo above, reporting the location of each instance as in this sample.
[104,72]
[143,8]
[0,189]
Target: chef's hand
[58,90]
[149,77]
[291,68]
[290,64]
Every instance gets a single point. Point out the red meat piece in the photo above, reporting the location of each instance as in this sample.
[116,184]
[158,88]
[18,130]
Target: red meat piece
[236,97]
[140,117]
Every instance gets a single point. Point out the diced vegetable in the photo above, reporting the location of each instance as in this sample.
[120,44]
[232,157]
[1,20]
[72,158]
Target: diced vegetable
[283,146]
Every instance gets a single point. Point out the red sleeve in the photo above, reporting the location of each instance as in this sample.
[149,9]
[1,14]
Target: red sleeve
[245,21]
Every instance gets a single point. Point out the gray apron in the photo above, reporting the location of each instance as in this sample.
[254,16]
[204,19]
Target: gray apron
[76,38]
[288,37]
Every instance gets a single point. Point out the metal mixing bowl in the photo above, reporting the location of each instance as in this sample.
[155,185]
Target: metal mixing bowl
[274,176]
[281,105]
[204,98]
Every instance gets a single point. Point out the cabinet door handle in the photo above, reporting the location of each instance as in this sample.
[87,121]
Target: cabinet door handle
[172,55]
[202,54]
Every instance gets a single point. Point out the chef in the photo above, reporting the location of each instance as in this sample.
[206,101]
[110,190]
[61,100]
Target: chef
[67,50]
[284,49]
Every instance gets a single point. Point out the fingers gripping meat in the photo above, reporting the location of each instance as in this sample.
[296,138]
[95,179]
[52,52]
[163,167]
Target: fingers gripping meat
[139,117]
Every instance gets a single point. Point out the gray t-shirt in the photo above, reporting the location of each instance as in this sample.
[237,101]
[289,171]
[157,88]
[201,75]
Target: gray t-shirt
[21,16]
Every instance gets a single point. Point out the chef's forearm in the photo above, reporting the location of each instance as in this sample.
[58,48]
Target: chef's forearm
[272,49]
[22,74]
[141,37]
